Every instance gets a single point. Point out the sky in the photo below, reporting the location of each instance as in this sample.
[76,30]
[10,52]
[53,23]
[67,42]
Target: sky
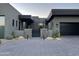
[42,9]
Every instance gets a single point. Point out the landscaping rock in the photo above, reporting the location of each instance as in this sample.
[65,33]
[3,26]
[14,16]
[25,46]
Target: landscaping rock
[20,37]
[49,38]
[58,38]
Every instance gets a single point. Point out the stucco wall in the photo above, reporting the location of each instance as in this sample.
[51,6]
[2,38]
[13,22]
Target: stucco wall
[19,33]
[44,33]
[28,32]
[24,33]
[10,14]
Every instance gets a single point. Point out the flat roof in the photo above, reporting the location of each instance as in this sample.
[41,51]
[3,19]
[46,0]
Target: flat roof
[65,11]
[62,12]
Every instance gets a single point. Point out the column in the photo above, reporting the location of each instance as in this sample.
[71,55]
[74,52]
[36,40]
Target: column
[26,25]
[19,25]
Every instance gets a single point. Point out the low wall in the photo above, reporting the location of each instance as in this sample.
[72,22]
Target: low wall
[19,32]
[50,32]
[25,33]
[44,33]
[28,32]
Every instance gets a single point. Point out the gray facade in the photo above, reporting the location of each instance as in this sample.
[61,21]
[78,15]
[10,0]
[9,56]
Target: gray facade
[10,14]
[13,21]
[64,21]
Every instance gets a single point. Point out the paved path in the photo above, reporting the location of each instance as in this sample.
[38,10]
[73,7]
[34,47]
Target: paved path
[67,46]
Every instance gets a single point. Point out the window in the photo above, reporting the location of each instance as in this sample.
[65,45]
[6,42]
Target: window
[2,26]
[16,23]
[2,20]
[13,22]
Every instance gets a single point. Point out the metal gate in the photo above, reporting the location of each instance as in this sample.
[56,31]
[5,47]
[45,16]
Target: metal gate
[35,32]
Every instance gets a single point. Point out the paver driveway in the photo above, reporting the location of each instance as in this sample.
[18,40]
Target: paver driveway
[67,46]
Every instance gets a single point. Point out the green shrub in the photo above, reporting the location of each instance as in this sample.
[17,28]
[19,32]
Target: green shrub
[13,35]
[55,35]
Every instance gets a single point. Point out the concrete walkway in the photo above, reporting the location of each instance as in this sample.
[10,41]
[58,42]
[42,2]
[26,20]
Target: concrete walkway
[67,46]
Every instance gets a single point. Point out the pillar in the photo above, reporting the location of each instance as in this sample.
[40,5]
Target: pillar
[19,25]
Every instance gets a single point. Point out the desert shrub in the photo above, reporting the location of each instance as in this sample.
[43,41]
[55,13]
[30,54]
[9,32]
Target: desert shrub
[13,35]
[55,35]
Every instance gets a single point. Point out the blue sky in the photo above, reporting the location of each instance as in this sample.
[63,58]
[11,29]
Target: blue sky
[42,9]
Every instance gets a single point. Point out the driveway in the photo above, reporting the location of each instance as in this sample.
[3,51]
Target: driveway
[67,46]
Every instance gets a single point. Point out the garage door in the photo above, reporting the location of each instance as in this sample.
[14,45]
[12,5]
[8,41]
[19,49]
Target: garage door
[67,28]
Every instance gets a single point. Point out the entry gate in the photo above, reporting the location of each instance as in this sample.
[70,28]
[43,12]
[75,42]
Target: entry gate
[35,32]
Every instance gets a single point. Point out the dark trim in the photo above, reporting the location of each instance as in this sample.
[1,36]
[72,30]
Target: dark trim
[49,19]
[69,22]
[24,16]
[16,23]
[13,22]
[63,13]
[2,15]
[60,16]
[66,15]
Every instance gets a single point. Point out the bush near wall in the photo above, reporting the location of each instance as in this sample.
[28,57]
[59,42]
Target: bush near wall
[55,34]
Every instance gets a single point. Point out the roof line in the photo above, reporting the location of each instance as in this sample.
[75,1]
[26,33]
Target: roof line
[14,8]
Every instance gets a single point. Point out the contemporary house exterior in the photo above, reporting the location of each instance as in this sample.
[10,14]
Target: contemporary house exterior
[13,22]
[64,21]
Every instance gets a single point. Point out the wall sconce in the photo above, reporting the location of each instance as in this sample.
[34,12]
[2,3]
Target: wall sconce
[57,25]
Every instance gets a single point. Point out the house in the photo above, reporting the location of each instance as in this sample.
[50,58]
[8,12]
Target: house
[12,22]
[64,21]
[8,20]
[31,23]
